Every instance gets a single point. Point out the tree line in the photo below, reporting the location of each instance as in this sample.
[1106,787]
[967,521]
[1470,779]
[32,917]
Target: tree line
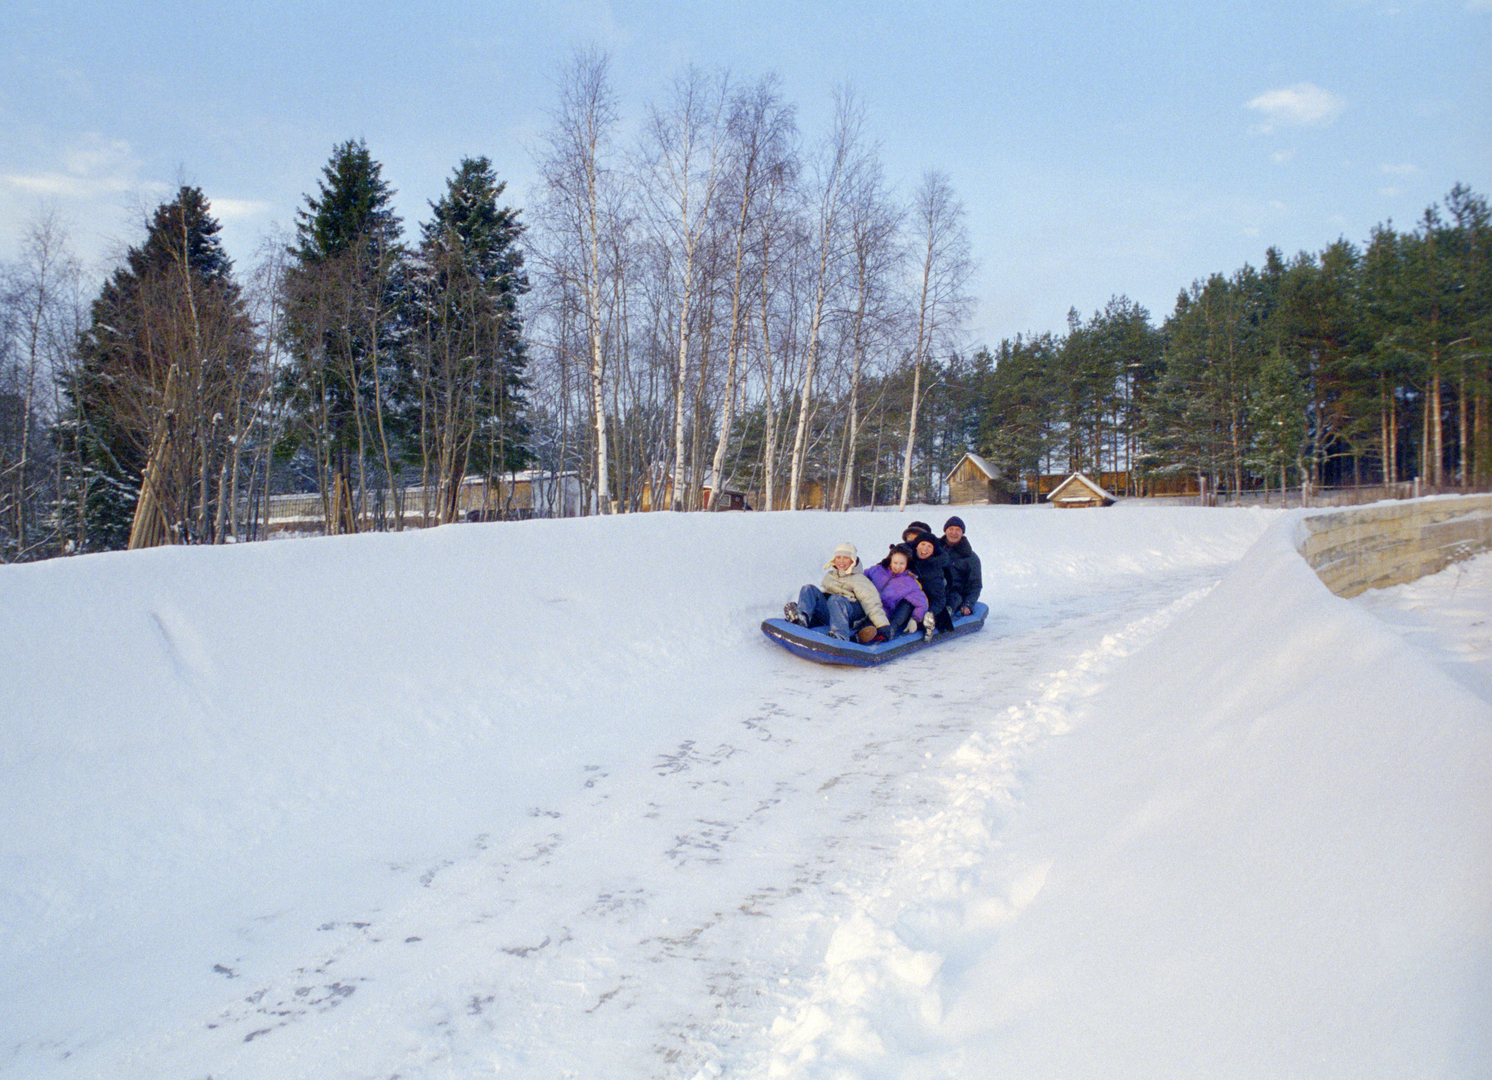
[170,407]
[716,302]
[1355,365]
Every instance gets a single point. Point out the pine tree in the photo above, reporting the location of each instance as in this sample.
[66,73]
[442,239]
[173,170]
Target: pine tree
[1019,426]
[1317,313]
[1277,419]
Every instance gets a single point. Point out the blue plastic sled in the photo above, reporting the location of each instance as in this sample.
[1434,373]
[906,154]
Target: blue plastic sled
[818,646]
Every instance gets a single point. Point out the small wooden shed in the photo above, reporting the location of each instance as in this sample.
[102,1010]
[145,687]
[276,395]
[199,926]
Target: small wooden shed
[730,498]
[974,480]
[812,495]
[1077,490]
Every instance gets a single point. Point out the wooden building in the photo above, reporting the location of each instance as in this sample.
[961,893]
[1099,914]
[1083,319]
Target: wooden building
[974,480]
[730,498]
[1078,491]
[528,493]
[812,495]
[1170,485]
[1121,483]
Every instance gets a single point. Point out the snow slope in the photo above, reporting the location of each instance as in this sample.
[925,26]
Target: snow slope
[537,799]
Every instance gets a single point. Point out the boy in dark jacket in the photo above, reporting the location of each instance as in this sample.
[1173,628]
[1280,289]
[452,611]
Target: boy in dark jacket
[964,581]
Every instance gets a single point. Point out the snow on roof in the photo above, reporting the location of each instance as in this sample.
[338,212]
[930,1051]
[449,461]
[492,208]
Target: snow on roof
[521,475]
[1078,479]
[979,463]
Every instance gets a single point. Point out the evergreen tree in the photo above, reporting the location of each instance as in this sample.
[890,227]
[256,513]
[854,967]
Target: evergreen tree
[1410,299]
[168,350]
[1380,354]
[1106,366]
[1277,419]
[1020,429]
[348,316]
[1385,372]
[1319,330]
[1464,249]
[1472,217]
[1188,417]
[473,359]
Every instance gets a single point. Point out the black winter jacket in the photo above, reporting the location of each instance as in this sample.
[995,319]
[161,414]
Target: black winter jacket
[964,581]
[932,572]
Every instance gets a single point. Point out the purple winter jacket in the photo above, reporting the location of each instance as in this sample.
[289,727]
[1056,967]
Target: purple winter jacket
[895,588]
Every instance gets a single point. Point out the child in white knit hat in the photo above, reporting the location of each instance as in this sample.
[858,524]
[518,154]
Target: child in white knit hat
[842,599]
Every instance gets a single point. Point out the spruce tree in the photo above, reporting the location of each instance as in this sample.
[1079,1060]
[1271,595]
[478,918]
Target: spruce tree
[168,348]
[473,357]
[348,316]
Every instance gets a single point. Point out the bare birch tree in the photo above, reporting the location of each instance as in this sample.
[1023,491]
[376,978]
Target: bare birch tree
[39,321]
[942,241]
[776,241]
[684,162]
[832,168]
[875,224]
[575,170]
[761,130]
[265,297]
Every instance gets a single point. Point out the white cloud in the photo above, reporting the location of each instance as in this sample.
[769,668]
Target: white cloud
[1302,105]
[1405,169]
[92,167]
[47,184]
[97,156]
[237,209]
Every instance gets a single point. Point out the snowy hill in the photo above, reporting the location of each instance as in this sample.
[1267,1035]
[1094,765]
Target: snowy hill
[537,799]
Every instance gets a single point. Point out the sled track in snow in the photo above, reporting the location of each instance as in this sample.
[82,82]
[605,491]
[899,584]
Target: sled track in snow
[786,817]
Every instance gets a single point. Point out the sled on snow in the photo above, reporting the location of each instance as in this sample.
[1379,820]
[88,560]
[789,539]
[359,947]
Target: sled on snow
[815,644]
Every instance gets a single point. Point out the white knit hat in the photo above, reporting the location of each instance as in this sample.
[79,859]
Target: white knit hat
[846,548]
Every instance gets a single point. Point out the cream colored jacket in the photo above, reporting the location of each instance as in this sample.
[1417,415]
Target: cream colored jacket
[854,584]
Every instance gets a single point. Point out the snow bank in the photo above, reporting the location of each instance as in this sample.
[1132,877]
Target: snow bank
[1140,826]
[1263,847]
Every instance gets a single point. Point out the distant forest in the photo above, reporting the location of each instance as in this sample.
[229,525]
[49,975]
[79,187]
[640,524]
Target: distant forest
[722,304]
[1359,364]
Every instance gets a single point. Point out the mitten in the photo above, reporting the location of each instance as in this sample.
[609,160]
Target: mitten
[929,624]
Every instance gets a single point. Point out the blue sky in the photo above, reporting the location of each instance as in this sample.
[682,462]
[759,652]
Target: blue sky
[1098,148]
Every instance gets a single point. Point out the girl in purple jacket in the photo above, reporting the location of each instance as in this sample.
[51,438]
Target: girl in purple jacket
[901,595]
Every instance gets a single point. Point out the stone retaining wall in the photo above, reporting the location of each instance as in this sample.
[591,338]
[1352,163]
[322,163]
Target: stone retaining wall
[1378,546]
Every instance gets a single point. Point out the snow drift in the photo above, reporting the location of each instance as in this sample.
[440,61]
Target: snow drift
[536,799]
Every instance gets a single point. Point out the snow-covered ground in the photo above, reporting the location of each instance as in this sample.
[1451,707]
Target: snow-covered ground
[538,799]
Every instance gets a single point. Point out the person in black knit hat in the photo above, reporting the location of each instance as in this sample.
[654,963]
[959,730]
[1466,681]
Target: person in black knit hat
[964,581]
[909,534]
